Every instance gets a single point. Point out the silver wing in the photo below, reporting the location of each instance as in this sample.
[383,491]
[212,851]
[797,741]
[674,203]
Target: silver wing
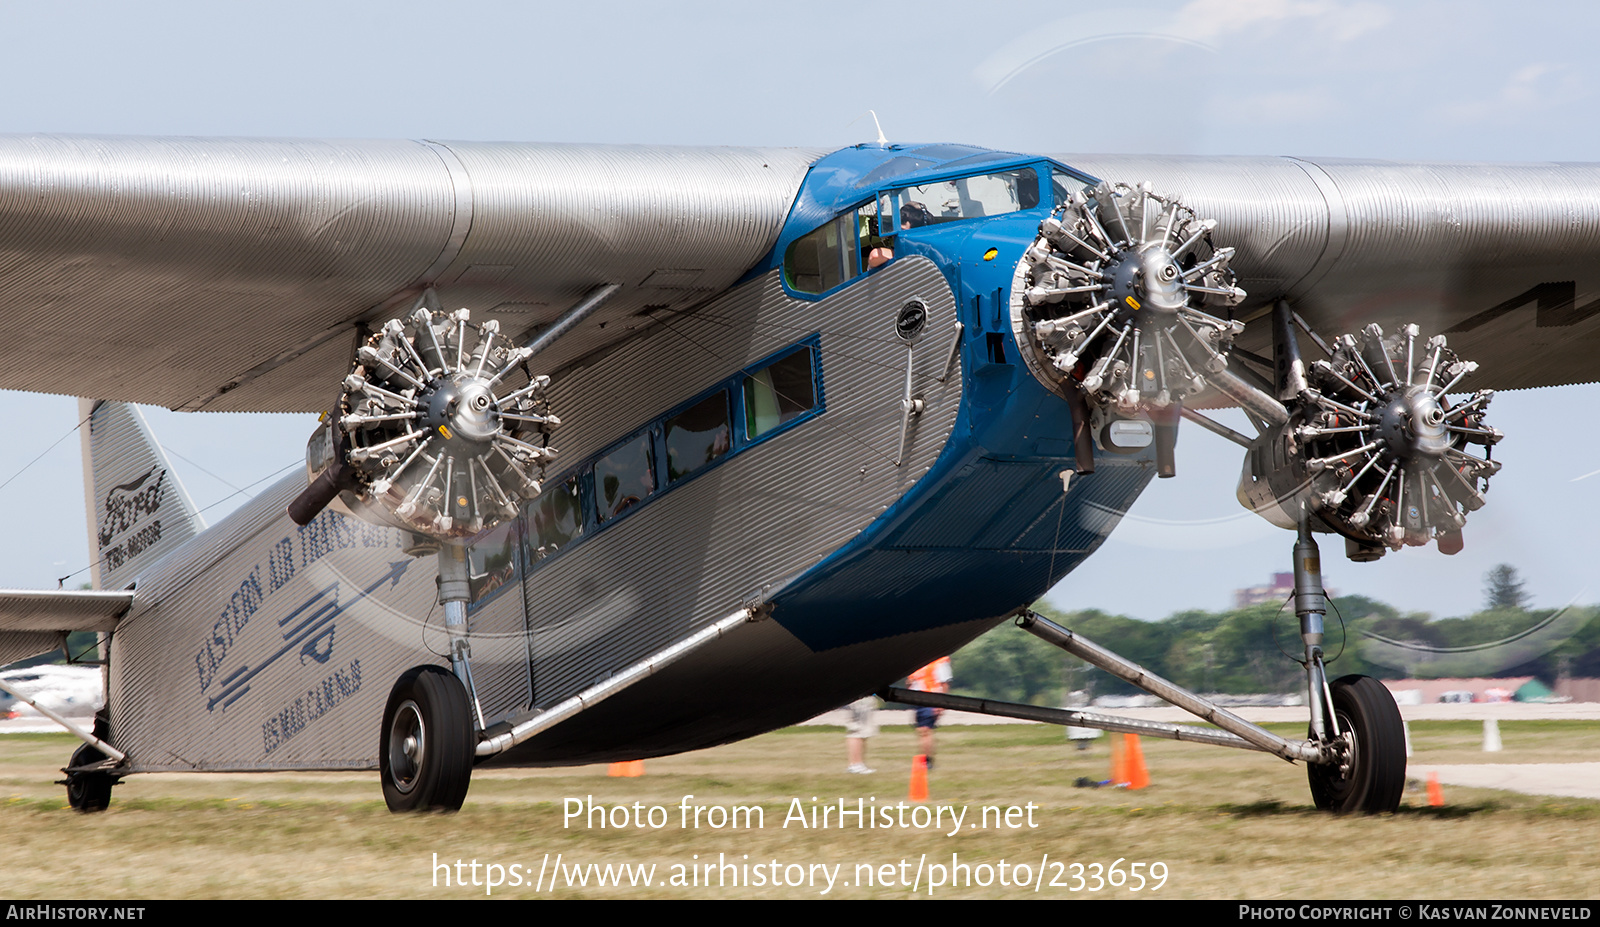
[1504,259]
[234,274]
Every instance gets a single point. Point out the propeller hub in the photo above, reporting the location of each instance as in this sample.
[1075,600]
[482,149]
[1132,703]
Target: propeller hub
[1377,448]
[1113,297]
[1158,280]
[461,410]
[437,437]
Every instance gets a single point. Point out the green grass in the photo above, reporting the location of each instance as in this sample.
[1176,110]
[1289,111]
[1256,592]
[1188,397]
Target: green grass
[1227,824]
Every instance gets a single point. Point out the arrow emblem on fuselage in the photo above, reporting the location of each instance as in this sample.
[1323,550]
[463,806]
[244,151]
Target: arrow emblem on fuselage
[302,629]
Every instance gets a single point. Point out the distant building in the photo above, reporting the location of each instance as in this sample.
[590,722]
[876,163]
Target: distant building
[1507,689]
[1282,587]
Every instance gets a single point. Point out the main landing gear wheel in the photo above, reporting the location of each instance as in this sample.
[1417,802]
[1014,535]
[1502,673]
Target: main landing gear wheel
[1372,773]
[88,792]
[427,748]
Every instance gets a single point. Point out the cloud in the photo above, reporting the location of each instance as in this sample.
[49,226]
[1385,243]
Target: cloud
[1537,87]
[1197,24]
[1205,20]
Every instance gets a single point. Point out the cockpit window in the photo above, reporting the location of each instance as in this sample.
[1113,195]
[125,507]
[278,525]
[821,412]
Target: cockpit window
[940,201]
[832,255]
[821,260]
[1062,183]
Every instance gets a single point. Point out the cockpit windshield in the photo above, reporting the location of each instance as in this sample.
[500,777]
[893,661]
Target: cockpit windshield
[862,238]
[939,201]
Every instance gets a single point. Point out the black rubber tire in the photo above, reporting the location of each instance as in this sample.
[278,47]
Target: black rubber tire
[1377,775]
[88,792]
[430,705]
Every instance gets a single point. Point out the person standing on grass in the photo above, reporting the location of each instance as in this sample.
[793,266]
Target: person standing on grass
[862,723]
[935,677]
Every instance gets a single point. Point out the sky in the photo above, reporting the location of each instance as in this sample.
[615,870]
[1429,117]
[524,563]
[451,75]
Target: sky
[1423,80]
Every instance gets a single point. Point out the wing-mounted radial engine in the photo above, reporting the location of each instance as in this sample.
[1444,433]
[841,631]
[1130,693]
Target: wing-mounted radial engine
[431,438]
[1113,306]
[428,437]
[1375,449]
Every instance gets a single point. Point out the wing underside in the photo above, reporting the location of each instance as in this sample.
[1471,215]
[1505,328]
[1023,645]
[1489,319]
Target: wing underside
[1504,259]
[234,274]
[34,622]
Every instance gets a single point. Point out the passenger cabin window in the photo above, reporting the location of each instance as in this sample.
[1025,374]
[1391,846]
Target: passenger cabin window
[556,517]
[697,436]
[781,390]
[779,393]
[940,201]
[623,478]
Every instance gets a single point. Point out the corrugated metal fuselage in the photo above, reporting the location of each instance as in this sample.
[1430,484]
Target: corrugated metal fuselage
[262,645]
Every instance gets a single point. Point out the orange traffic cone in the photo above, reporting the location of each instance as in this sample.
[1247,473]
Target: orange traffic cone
[632,769]
[1119,765]
[1435,793]
[1138,776]
[919,778]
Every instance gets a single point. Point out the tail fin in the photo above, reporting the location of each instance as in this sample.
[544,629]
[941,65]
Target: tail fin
[138,510]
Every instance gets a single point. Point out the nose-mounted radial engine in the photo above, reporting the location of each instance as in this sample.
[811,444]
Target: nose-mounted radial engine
[422,438]
[1109,304]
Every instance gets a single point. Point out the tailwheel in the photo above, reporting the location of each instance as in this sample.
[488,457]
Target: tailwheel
[88,791]
[1370,772]
[427,747]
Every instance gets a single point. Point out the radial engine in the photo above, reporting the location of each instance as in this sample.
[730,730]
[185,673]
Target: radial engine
[428,436]
[1375,448]
[1122,305]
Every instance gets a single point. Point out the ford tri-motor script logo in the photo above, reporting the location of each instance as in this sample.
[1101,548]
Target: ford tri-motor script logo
[131,507]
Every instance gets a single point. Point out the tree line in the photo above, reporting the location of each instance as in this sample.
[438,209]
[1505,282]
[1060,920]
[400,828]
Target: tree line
[1253,650]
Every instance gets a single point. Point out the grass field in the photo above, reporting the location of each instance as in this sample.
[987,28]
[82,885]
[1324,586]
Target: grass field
[1226,824]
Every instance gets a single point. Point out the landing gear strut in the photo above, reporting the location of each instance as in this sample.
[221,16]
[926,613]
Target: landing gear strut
[431,725]
[1355,719]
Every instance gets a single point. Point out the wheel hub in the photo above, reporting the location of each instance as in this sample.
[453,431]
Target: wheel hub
[407,746]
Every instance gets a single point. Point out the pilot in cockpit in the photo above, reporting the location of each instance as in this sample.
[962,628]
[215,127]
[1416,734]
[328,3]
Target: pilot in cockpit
[912,215]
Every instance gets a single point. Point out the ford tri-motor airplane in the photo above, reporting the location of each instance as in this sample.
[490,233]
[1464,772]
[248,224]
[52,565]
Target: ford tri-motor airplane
[635,450]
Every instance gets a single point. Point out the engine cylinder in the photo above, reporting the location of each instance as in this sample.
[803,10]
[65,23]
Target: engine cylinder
[1375,448]
[430,436]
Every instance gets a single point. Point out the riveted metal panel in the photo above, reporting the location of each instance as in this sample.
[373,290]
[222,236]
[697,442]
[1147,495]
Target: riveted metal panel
[267,646]
[262,645]
[141,512]
[20,645]
[61,609]
[700,550]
